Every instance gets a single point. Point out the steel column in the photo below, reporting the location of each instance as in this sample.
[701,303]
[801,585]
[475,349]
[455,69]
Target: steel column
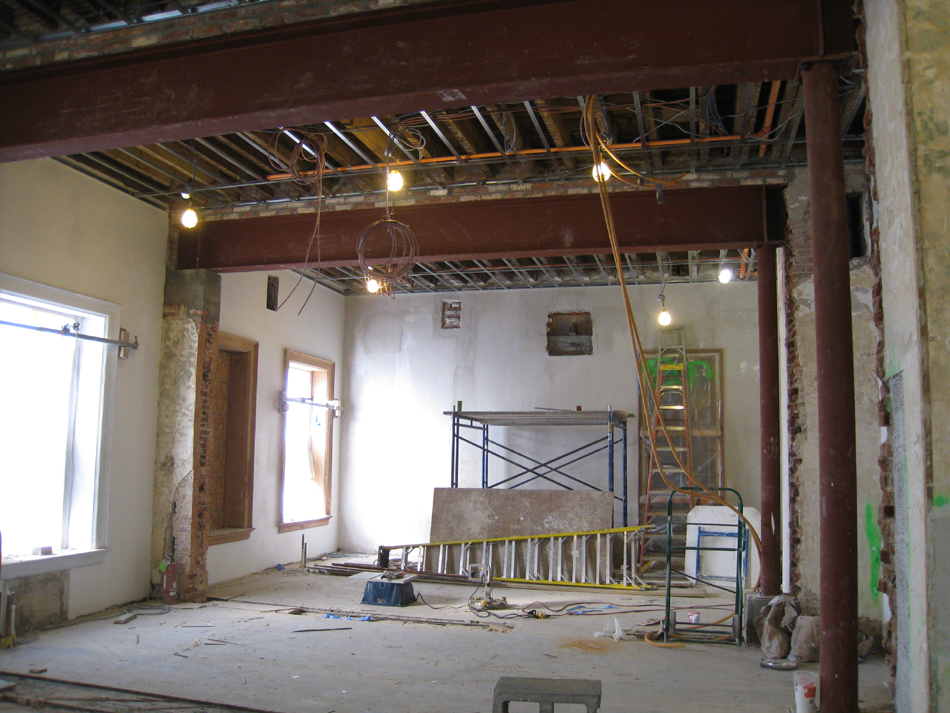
[626,426]
[610,451]
[455,449]
[484,455]
[836,440]
[771,559]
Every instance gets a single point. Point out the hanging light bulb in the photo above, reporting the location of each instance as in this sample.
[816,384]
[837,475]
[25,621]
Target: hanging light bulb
[725,275]
[189,218]
[394,181]
[601,172]
[372,285]
[186,195]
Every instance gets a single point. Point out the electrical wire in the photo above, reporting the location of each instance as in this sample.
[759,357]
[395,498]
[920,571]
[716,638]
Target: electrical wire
[642,371]
[310,149]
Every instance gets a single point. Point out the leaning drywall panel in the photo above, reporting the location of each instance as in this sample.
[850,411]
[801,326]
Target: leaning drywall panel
[483,513]
[404,371]
[317,331]
[63,229]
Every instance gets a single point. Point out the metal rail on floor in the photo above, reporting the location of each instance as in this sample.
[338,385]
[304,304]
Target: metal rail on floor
[599,558]
[553,469]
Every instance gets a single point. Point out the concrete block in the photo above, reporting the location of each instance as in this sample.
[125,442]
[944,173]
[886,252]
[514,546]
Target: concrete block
[546,692]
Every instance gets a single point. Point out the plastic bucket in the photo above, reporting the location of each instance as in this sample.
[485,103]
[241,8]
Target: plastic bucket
[806,691]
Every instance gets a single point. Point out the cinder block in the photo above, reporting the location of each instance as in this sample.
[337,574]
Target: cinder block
[546,692]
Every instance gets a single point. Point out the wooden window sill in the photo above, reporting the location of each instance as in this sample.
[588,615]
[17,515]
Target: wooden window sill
[229,534]
[302,525]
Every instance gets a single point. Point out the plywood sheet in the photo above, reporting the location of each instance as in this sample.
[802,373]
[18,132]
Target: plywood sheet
[479,514]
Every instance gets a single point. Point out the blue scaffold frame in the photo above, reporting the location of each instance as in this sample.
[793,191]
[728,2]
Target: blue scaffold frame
[550,470]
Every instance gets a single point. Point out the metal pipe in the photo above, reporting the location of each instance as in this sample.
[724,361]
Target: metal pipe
[837,468]
[771,555]
[369,165]
[65,332]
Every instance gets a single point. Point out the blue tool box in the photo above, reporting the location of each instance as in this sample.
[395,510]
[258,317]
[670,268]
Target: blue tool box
[388,594]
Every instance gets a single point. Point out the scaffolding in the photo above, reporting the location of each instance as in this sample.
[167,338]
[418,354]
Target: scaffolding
[553,469]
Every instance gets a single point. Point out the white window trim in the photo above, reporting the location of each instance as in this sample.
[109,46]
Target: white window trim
[68,559]
[29,565]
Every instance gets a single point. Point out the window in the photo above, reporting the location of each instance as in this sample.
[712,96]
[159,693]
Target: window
[233,399]
[308,437]
[55,422]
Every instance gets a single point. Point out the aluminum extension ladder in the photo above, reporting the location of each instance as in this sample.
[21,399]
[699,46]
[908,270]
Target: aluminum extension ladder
[599,558]
[671,391]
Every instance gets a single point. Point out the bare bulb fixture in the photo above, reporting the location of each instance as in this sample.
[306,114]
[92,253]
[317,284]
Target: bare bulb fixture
[664,319]
[372,285]
[725,275]
[186,195]
[189,218]
[394,181]
[601,172]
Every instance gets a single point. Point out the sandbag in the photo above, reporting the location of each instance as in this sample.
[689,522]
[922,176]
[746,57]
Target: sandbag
[806,639]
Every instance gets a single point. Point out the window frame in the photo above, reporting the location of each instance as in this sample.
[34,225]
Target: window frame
[247,422]
[59,299]
[329,367]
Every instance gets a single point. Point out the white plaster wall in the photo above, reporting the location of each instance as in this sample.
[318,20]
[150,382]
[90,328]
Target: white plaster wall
[404,371]
[317,331]
[69,231]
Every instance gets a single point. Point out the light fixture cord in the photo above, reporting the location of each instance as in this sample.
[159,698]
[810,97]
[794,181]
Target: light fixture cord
[642,371]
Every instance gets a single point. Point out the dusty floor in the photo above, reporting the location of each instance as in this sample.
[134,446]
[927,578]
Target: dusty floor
[249,649]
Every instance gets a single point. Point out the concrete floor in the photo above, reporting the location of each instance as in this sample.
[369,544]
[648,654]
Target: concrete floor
[248,650]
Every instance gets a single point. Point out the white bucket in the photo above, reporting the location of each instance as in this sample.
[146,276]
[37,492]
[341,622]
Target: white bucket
[806,691]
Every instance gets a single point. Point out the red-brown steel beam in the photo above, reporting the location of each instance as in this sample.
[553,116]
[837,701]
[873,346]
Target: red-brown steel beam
[769,422]
[426,57]
[837,465]
[689,219]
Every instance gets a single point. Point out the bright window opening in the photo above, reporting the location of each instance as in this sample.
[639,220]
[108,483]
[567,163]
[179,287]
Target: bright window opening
[308,436]
[53,389]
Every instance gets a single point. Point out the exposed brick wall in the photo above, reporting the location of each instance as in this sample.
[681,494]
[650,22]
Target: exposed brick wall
[241,18]
[218,403]
[193,587]
[798,269]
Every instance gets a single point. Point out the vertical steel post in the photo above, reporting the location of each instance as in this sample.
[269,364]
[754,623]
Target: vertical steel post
[771,565]
[484,455]
[455,448]
[836,440]
[610,451]
[626,425]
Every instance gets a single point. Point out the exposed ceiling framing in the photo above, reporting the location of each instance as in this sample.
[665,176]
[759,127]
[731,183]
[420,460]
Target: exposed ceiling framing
[375,107]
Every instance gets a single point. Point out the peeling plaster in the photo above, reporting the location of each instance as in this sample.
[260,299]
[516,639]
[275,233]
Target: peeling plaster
[174,457]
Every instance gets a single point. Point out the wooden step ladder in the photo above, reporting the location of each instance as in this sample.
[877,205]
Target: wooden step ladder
[670,455]
[597,558]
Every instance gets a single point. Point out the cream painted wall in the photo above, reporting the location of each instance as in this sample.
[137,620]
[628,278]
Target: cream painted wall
[63,229]
[908,71]
[404,371]
[318,331]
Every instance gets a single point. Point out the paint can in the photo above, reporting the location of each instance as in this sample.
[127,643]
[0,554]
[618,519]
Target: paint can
[806,691]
